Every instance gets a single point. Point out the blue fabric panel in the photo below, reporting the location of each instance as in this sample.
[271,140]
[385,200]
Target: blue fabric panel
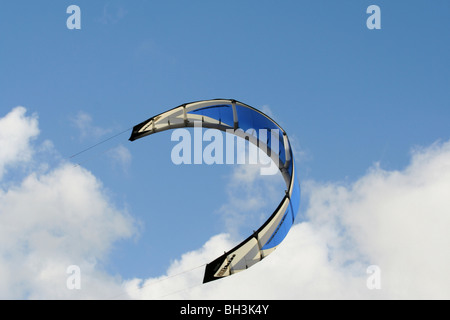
[281,151]
[224,113]
[281,230]
[291,164]
[295,198]
[287,220]
[251,119]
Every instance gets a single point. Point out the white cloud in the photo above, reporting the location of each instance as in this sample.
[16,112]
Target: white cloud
[16,133]
[84,123]
[397,220]
[249,194]
[185,273]
[120,156]
[112,13]
[53,219]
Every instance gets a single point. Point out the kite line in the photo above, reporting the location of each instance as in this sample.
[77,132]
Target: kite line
[99,143]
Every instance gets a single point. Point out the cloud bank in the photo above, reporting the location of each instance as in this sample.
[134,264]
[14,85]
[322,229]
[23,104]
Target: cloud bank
[394,220]
[397,220]
[50,220]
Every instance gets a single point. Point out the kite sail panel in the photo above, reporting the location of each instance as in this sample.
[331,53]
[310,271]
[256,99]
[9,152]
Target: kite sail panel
[237,118]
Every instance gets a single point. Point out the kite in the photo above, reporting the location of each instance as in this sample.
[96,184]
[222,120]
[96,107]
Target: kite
[238,118]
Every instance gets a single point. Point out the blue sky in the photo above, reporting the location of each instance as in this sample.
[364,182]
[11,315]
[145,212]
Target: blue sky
[348,97]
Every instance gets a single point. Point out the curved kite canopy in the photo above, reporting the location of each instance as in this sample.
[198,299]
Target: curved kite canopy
[230,116]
